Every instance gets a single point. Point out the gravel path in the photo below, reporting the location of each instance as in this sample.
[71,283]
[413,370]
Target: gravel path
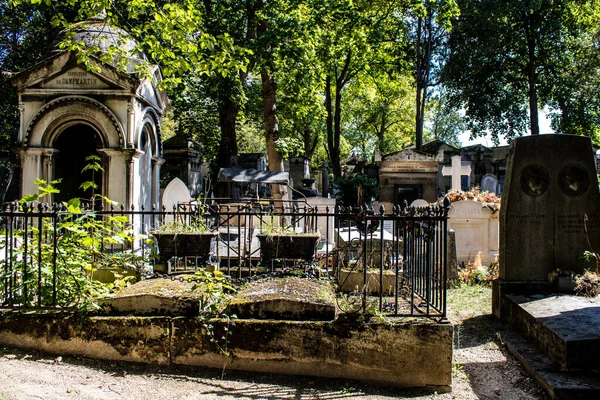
[483,369]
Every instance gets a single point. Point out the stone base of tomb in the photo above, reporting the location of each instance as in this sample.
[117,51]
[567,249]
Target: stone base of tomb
[412,354]
[557,337]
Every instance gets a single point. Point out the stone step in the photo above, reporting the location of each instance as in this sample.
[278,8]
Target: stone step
[560,384]
[565,327]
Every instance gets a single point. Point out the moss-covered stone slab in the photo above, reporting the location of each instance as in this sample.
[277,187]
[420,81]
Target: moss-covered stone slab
[137,339]
[288,298]
[411,354]
[154,297]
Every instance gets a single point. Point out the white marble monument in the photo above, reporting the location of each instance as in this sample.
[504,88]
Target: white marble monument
[457,170]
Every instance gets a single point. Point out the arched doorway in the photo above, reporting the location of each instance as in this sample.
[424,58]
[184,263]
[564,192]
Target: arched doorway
[74,144]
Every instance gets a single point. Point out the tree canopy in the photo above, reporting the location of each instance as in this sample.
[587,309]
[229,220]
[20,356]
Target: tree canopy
[510,59]
[323,78]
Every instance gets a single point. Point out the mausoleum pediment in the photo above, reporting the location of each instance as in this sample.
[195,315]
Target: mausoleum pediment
[410,155]
[75,78]
[63,73]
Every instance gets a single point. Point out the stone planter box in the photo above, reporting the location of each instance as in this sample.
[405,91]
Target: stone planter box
[353,280]
[183,245]
[287,246]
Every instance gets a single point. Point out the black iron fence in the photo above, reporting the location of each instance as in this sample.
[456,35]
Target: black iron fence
[382,261]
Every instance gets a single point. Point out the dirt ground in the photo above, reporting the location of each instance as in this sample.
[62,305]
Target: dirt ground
[483,369]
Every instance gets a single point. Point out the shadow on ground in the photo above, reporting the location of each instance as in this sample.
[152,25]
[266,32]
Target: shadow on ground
[255,385]
[483,357]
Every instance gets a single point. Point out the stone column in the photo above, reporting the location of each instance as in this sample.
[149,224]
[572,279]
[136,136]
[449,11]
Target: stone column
[132,159]
[21,120]
[452,263]
[48,168]
[31,169]
[130,125]
[116,174]
[156,164]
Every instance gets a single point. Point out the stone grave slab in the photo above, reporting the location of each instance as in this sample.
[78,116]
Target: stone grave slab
[154,297]
[550,190]
[566,327]
[288,298]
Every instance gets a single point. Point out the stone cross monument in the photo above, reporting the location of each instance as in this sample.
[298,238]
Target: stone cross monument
[456,171]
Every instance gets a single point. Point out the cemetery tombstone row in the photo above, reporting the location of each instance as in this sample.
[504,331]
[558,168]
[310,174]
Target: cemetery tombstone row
[550,207]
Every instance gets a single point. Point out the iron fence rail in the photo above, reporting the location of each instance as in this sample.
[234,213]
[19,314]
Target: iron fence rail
[393,262]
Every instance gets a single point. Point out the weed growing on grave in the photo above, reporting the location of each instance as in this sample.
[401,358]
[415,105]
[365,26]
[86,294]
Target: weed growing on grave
[215,292]
[588,283]
[474,272]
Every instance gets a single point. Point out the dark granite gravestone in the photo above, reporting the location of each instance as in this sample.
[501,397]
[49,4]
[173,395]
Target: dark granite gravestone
[550,191]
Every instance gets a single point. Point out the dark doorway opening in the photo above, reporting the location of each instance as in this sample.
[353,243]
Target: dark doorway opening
[75,144]
[408,192]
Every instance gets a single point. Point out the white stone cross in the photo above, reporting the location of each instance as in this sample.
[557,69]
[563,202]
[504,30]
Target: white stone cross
[456,171]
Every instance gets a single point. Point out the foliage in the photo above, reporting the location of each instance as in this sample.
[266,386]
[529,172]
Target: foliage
[193,221]
[356,190]
[475,273]
[214,289]
[428,30]
[508,59]
[289,146]
[215,292]
[378,113]
[66,246]
[81,243]
[170,33]
[474,194]
[467,300]
[444,121]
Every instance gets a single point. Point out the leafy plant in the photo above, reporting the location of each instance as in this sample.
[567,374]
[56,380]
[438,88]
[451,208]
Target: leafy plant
[288,146]
[63,249]
[215,292]
[474,272]
[194,223]
[356,190]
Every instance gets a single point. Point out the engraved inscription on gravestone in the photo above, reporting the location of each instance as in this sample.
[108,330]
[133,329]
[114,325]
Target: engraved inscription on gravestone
[573,180]
[535,180]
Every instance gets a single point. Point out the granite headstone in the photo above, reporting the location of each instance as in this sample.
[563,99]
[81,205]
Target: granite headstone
[489,183]
[550,207]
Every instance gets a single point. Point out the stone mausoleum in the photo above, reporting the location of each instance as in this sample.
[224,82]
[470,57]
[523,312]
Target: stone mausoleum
[68,112]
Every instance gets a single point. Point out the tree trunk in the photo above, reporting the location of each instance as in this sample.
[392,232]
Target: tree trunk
[334,152]
[530,21]
[228,150]
[269,88]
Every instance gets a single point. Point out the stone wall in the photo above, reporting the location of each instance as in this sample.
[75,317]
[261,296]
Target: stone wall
[403,354]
